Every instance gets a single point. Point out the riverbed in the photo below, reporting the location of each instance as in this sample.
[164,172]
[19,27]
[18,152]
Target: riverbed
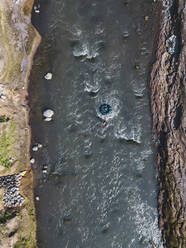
[99,188]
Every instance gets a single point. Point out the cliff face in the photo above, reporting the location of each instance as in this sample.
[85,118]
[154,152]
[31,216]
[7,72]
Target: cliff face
[169,121]
[18,43]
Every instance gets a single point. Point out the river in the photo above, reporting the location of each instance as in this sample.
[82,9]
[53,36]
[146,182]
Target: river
[100,189]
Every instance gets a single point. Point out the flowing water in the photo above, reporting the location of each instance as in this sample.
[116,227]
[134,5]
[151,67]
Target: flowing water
[100,187]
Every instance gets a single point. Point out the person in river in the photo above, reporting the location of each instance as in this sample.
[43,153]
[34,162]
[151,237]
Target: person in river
[104,110]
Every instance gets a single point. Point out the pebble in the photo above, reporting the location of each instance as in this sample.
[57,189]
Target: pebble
[39,145]
[11,160]
[125,34]
[47,114]
[48,76]
[32,160]
[44,171]
[36,9]
[47,119]
[2,96]
[35,148]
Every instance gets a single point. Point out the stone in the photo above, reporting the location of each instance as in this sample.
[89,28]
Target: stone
[125,34]
[2,96]
[37,198]
[48,119]
[11,160]
[32,160]
[48,76]
[44,171]
[35,148]
[39,145]
[48,113]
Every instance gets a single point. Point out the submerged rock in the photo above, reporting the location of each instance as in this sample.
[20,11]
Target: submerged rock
[35,148]
[48,76]
[32,160]
[48,114]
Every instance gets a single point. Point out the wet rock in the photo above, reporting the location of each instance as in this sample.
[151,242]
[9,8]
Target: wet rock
[47,119]
[35,148]
[125,34]
[45,167]
[39,145]
[37,198]
[32,160]
[48,76]
[2,96]
[44,171]
[48,114]
[36,10]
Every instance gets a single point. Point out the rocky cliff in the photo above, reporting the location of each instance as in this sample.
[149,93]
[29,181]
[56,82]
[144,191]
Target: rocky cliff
[169,121]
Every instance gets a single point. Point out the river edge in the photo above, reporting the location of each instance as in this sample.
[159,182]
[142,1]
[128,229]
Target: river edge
[167,86]
[19,42]
[170,228]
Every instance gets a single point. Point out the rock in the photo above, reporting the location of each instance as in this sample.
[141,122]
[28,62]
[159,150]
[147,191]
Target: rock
[48,113]
[47,119]
[2,96]
[44,171]
[35,148]
[39,145]
[37,198]
[11,160]
[32,160]
[48,76]
[125,34]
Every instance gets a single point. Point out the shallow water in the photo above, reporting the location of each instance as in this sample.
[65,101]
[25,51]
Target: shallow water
[100,188]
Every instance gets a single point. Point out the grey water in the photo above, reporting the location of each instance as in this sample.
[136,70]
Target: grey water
[100,188]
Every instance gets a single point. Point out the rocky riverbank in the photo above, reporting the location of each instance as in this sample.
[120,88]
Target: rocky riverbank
[169,121]
[18,43]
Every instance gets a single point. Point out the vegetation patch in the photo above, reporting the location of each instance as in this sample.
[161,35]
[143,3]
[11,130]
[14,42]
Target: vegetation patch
[7,215]
[7,139]
[29,241]
[4,118]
